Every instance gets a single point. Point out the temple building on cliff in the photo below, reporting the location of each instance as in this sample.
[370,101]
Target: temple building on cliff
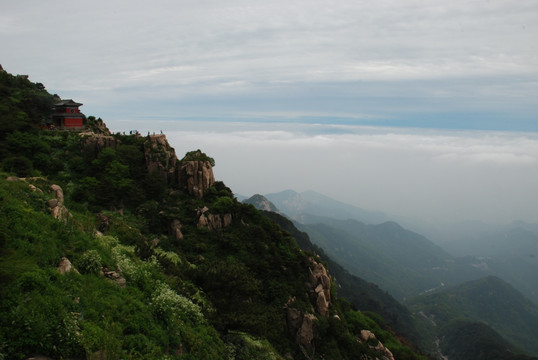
[67,116]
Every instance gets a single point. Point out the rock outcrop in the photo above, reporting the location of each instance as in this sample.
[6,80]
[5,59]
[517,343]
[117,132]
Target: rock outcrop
[212,221]
[301,326]
[369,337]
[301,323]
[65,266]
[196,176]
[56,204]
[95,143]
[319,286]
[194,173]
[115,277]
[175,229]
[161,158]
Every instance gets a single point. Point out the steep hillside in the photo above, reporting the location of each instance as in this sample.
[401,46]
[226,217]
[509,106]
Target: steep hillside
[113,248]
[398,260]
[364,295]
[489,301]
[451,329]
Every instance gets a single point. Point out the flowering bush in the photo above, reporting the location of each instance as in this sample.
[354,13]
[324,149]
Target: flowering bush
[169,255]
[139,273]
[107,242]
[170,306]
[90,262]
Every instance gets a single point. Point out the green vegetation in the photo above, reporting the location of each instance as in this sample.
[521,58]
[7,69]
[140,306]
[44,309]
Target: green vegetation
[137,289]
[24,106]
[198,155]
[362,294]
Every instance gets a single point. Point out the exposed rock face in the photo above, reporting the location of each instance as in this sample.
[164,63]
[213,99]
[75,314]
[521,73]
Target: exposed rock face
[193,173]
[212,221]
[305,335]
[319,286]
[57,208]
[301,326]
[95,143]
[35,189]
[161,158]
[175,229]
[196,177]
[115,277]
[369,337]
[65,266]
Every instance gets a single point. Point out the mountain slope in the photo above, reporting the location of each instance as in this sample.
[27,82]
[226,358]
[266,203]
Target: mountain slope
[364,295]
[509,252]
[490,301]
[398,260]
[462,337]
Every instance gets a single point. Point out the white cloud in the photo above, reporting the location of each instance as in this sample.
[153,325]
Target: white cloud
[430,175]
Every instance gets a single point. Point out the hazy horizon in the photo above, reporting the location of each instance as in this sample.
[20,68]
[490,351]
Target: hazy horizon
[431,175]
[418,109]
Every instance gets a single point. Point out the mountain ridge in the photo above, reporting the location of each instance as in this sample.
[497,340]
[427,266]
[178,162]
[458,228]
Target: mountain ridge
[293,204]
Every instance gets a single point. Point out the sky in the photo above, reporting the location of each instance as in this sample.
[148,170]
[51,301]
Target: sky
[419,108]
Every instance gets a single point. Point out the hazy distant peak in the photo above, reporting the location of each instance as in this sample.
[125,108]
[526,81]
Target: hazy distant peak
[391,225]
[301,206]
[260,202]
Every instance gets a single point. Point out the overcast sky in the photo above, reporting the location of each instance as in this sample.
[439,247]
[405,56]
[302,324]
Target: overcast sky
[427,108]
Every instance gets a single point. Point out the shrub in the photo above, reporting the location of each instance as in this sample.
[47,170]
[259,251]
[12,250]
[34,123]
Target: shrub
[223,205]
[171,307]
[19,165]
[90,262]
[198,155]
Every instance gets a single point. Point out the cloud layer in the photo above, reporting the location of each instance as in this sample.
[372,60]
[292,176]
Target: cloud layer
[438,176]
[404,62]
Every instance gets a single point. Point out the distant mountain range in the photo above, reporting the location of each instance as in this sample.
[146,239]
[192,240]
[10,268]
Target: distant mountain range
[362,241]
[301,206]
[455,295]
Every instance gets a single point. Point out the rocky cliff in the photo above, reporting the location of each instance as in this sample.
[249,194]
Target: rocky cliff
[161,158]
[193,174]
[94,143]
[196,174]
